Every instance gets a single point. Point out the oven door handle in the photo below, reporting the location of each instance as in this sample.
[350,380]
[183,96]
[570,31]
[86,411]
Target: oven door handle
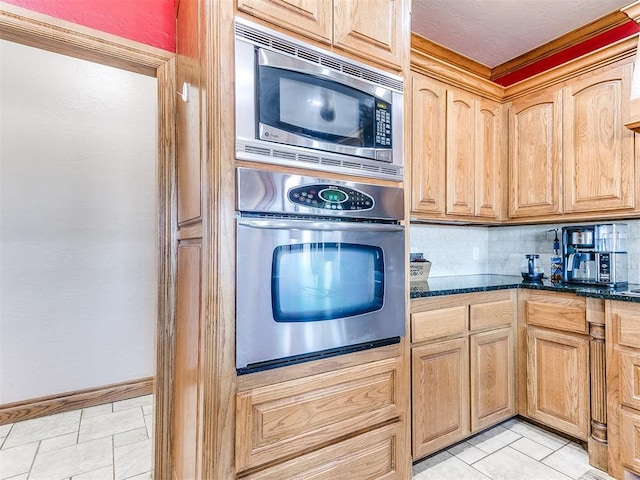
[322,225]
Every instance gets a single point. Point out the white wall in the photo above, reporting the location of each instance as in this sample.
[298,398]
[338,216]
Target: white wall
[501,249]
[77,224]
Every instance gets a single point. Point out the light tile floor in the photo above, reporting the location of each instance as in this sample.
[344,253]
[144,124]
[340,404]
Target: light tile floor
[106,442]
[512,450]
[113,442]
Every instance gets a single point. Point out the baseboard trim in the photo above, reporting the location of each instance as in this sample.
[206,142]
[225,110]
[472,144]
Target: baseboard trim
[40,407]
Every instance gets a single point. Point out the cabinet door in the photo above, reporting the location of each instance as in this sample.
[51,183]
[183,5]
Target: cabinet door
[428,125]
[630,378]
[598,150]
[489,176]
[373,29]
[630,440]
[493,386]
[375,455]
[558,381]
[440,375]
[311,18]
[460,152]
[535,155]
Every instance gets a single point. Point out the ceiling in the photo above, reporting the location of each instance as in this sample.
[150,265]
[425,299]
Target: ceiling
[494,31]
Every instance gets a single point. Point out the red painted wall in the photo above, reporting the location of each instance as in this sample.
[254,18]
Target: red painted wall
[151,22]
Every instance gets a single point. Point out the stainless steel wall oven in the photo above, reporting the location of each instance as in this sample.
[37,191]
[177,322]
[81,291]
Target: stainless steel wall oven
[320,268]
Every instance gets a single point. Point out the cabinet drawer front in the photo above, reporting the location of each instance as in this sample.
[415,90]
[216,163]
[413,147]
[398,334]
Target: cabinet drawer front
[567,314]
[491,315]
[630,378]
[439,323]
[630,440]
[291,417]
[629,321]
[373,455]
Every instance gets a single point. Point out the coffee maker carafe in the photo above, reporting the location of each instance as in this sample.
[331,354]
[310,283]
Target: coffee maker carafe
[595,254]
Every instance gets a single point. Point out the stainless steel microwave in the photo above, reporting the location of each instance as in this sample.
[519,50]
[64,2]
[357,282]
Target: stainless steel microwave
[298,105]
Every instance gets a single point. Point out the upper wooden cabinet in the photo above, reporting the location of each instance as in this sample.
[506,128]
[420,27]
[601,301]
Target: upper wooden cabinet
[570,152]
[372,29]
[598,149]
[456,152]
[535,154]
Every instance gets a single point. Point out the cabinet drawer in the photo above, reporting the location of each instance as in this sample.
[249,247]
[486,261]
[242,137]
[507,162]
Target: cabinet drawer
[629,321]
[292,417]
[439,323]
[630,378]
[491,315]
[630,440]
[560,312]
[373,455]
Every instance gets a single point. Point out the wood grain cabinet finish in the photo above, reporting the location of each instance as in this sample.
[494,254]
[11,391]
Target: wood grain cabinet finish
[598,149]
[558,381]
[428,147]
[623,386]
[373,30]
[493,382]
[440,392]
[456,152]
[292,418]
[463,366]
[371,456]
[630,440]
[557,367]
[535,154]
[570,152]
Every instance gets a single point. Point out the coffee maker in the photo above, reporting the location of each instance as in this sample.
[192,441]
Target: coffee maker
[595,254]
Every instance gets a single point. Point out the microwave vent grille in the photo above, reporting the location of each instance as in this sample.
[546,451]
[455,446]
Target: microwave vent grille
[309,158]
[248,151]
[283,154]
[281,45]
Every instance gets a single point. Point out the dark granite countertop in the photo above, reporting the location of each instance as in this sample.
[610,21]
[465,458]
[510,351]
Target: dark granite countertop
[437,286]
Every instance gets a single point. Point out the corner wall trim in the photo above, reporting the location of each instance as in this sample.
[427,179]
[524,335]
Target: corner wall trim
[40,407]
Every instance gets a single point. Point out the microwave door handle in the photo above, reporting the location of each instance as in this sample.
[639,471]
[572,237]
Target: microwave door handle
[284,224]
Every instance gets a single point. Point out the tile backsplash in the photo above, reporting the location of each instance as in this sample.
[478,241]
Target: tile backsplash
[468,250]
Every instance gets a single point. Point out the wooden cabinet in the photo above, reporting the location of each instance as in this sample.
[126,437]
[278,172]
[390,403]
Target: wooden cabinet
[598,149]
[456,152]
[558,381]
[376,30]
[314,425]
[570,152]
[440,384]
[557,362]
[535,154]
[370,456]
[493,387]
[463,366]
[623,386]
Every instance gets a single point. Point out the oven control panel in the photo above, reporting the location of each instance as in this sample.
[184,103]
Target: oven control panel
[330,197]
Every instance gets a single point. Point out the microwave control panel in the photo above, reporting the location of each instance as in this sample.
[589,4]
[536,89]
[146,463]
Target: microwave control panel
[330,197]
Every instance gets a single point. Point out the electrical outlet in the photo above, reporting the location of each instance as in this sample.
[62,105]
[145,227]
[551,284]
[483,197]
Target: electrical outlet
[476,253]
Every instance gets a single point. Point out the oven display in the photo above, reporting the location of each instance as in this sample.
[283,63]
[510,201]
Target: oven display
[330,197]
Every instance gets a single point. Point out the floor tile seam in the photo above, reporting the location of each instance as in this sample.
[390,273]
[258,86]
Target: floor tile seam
[559,471]
[110,435]
[33,460]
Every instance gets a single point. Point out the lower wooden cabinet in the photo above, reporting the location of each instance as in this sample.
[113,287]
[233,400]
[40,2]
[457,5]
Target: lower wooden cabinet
[493,386]
[630,435]
[558,381]
[462,367]
[440,385]
[289,423]
[371,456]
[623,386]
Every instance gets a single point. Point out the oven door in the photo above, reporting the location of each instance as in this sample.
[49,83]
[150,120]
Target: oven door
[308,288]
